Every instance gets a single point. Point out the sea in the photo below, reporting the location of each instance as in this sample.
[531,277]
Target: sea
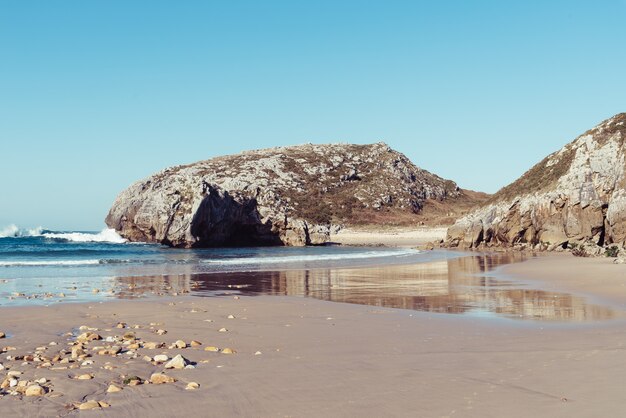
[46,263]
[45,267]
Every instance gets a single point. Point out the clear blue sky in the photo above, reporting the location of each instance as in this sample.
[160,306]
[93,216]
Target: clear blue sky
[97,94]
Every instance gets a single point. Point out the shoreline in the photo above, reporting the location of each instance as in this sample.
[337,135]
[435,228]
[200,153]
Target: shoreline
[597,278]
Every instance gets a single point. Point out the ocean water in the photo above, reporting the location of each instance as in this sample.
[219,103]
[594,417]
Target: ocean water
[44,267]
[44,263]
[44,253]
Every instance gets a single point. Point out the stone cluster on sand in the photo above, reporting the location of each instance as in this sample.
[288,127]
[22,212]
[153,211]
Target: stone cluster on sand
[101,355]
[286,195]
[576,195]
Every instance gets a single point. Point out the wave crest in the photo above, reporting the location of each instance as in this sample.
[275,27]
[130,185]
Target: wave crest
[106,235]
[12,231]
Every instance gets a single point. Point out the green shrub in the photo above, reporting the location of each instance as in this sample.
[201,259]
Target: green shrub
[612,251]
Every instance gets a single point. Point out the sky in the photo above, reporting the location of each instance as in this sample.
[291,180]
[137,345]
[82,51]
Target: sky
[95,95]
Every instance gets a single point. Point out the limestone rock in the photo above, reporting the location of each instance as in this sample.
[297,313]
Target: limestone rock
[35,390]
[574,195]
[113,388]
[621,258]
[160,378]
[88,336]
[178,362]
[89,405]
[278,196]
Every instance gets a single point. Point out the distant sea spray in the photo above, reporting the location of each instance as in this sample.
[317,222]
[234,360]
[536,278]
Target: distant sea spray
[106,235]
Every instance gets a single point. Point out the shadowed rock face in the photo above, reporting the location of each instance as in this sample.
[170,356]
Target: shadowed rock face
[277,196]
[574,195]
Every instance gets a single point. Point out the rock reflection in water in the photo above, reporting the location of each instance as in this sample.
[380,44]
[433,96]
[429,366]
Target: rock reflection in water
[459,286]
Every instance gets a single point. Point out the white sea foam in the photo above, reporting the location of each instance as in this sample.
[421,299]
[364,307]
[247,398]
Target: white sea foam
[106,235]
[12,231]
[9,231]
[49,263]
[312,257]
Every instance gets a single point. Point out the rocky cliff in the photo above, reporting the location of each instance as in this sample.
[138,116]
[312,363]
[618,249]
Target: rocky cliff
[277,196]
[574,195]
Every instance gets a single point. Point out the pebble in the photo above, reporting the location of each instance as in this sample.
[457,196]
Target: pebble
[85,377]
[195,343]
[2,335]
[258,353]
[212,348]
[133,381]
[89,405]
[152,345]
[113,388]
[88,336]
[231,316]
[160,378]
[161,331]
[77,352]
[180,344]
[35,390]
[178,362]
[223,330]
[192,386]
[161,358]
[228,351]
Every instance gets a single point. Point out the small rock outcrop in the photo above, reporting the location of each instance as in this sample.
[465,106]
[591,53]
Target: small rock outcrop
[277,196]
[574,195]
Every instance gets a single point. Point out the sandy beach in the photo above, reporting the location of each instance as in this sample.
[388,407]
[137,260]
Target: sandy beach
[301,357]
[393,237]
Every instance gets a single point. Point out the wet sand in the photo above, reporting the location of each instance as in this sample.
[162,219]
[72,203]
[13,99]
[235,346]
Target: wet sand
[596,278]
[334,359]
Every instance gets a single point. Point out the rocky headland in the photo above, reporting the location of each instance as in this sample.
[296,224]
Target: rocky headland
[574,197]
[284,196]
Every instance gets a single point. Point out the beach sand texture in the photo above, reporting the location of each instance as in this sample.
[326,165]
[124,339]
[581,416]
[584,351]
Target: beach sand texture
[395,237]
[302,357]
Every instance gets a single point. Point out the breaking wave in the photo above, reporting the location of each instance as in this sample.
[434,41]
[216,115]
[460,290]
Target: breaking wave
[106,235]
[12,231]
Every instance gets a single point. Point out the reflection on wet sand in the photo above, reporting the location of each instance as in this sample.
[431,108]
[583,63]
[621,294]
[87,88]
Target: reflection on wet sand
[460,286]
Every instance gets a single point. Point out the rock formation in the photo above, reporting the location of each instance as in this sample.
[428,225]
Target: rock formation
[277,196]
[575,195]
